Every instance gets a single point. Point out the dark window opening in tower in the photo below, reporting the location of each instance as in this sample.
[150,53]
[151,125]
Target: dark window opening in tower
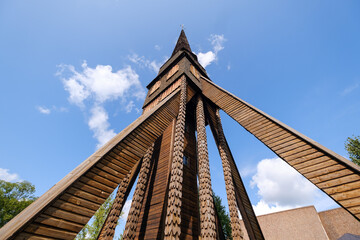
[186,160]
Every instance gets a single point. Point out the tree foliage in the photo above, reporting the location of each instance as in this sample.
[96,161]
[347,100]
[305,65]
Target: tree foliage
[223,217]
[14,197]
[93,227]
[352,146]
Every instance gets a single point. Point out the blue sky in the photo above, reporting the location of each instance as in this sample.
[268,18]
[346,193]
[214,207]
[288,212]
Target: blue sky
[295,60]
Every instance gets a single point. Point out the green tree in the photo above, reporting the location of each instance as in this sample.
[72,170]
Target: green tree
[93,227]
[223,217]
[14,197]
[352,146]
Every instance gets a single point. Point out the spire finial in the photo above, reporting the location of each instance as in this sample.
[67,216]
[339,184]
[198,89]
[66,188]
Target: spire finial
[182,43]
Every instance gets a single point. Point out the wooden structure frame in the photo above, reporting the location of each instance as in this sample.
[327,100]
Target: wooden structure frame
[181,87]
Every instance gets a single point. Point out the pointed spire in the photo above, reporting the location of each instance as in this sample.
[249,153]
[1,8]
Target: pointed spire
[182,43]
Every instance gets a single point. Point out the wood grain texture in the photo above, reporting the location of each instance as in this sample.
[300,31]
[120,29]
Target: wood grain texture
[308,157]
[138,197]
[207,209]
[108,229]
[173,216]
[236,232]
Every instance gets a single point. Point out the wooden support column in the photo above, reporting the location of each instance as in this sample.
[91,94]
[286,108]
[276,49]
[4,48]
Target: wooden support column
[108,229]
[139,193]
[173,215]
[230,190]
[207,210]
[242,199]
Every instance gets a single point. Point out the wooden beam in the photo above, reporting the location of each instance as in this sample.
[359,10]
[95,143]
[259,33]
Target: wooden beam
[242,199]
[301,154]
[119,148]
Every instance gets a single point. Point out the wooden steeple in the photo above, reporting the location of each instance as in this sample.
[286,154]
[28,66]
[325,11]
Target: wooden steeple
[166,148]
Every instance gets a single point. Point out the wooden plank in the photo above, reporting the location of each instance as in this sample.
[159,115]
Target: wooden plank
[324,171]
[58,223]
[331,176]
[70,207]
[315,164]
[355,193]
[343,188]
[62,214]
[51,232]
[79,201]
[32,236]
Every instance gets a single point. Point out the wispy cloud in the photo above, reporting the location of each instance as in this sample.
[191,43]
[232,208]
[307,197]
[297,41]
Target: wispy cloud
[43,110]
[247,171]
[126,210]
[9,177]
[91,88]
[280,187]
[144,62]
[99,124]
[48,110]
[350,89]
[217,42]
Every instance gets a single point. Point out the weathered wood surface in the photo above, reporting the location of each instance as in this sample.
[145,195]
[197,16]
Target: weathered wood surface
[153,209]
[138,197]
[63,210]
[173,216]
[224,152]
[108,229]
[333,174]
[242,199]
[207,209]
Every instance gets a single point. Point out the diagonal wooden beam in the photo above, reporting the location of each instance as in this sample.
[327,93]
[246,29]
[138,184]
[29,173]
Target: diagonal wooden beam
[242,199]
[207,212]
[139,194]
[64,209]
[108,229]
[333,174]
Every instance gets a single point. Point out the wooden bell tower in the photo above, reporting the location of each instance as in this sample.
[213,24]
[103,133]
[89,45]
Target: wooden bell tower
[166,150]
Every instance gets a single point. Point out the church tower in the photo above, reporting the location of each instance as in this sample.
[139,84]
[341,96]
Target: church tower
[166,150]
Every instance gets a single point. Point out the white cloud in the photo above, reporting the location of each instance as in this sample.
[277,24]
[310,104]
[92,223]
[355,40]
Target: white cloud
[349,89]
[100,83]
[99,124]
[92,87]
[143,62]
[157,47]
[262,208]
[9,177]
[281,187]
[247,171]
[126,209]
[47,111]
[217,42]
[43,110]
[130,106]
[206,58]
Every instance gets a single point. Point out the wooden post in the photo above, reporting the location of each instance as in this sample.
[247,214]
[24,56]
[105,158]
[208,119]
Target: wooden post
[139,193]
[242,199]
[230,190]
[173,216]
[207,215]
